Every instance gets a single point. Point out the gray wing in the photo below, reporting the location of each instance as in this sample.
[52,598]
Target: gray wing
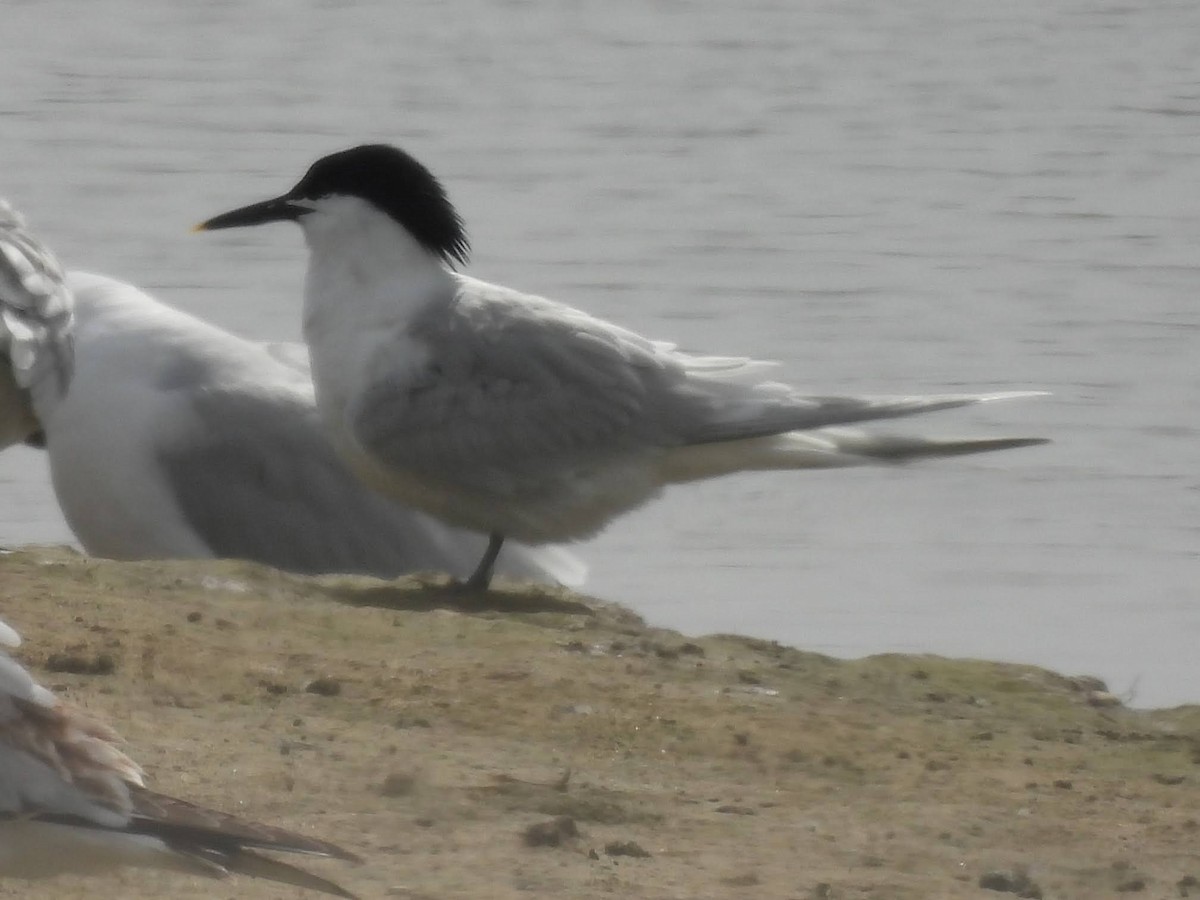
[520,386]
[256,478]
[36,324]
[511,388]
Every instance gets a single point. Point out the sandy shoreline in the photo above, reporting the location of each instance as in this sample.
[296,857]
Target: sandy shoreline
[540,743]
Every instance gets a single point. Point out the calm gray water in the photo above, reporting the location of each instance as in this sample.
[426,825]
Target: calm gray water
[887,197]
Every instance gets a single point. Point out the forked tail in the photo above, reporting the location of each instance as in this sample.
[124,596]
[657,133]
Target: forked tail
[823,448]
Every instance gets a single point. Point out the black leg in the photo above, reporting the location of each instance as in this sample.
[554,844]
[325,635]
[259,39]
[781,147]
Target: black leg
[481,578]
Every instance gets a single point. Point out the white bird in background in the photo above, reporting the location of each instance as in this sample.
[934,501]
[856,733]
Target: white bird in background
[176,439]
[72,803]
[513,414]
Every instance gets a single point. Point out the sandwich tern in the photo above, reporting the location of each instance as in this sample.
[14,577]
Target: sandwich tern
[72,802]
[516,415]
[176,439]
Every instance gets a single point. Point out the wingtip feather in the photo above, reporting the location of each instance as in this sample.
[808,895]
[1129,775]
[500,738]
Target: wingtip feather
[255,865]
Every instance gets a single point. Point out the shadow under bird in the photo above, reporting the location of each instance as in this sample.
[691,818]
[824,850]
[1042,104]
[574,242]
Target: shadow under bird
[171,438]
[72,802]
[520,416]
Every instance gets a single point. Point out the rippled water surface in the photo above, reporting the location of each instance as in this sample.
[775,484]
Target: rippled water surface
[916,196]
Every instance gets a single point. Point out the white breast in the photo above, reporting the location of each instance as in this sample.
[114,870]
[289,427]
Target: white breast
[367,279]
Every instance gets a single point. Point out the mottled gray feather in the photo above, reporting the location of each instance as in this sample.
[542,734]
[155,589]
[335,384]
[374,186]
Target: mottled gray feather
[35,309]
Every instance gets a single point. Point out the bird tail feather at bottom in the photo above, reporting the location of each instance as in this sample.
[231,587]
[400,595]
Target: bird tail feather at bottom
[900,448]
[826,448]
[255,865]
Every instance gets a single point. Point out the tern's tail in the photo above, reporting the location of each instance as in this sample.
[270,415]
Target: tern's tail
[256,865]
[866,447]
[824,448]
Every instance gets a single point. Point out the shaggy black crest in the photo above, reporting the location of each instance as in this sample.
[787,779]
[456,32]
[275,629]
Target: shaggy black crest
[397,184]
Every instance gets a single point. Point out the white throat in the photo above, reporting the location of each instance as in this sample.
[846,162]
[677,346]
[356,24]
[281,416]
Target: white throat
[367,278]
